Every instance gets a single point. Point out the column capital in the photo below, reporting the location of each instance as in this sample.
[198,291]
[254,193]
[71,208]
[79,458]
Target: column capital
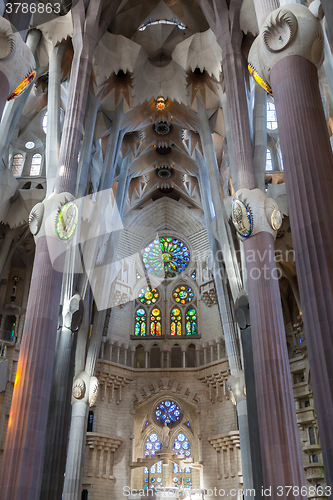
[252,212]
[292,30]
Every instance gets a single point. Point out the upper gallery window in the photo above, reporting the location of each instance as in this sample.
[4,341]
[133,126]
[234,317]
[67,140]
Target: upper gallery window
[167,412]
[166,257]
[151,22]
[17,165]
[36,164]
[272,123]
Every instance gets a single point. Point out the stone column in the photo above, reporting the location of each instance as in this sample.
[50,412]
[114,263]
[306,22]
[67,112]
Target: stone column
[274,391]
[60,401]
[23,455]
[197,352]
[205,348]
[265,7]
[53,116]
[76,447]
[308,168]
[184,358]
[211,346]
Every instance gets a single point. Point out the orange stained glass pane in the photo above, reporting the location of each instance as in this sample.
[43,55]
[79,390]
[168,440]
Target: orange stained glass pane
[152,328]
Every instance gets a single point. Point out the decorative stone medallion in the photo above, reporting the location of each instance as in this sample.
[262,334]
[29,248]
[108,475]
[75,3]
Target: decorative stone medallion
[67,220]
[242,218]
[276,219]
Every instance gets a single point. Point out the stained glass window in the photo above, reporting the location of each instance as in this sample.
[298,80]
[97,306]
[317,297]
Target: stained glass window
[182,477]
[182,445]
[155,322]
[194,275]
[153,445]
[176,321]
[148,296]
[140,322]
[153,475]
[183,294]
[191,321]
[167,411]
[166,257]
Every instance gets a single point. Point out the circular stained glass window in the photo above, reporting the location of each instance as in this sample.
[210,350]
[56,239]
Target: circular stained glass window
[148,296]
[166,257]
[183,294]
[167,411]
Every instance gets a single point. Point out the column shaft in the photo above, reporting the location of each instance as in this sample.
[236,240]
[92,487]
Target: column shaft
[59,416]
[22,461]
[53,116]
[274,390]
[308,170]
[275,400]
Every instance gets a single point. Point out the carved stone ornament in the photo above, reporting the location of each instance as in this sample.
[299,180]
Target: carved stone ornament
[36,218]
[16,59]
[93,391]
[273,214]
[242,218]
[279,33]
[288,31]
[79,388]
[7,42]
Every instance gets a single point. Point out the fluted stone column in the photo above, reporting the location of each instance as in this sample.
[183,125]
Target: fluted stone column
[60,406]
[21,470]
[308,170]
[265,7]
[230,340]
[274,393]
